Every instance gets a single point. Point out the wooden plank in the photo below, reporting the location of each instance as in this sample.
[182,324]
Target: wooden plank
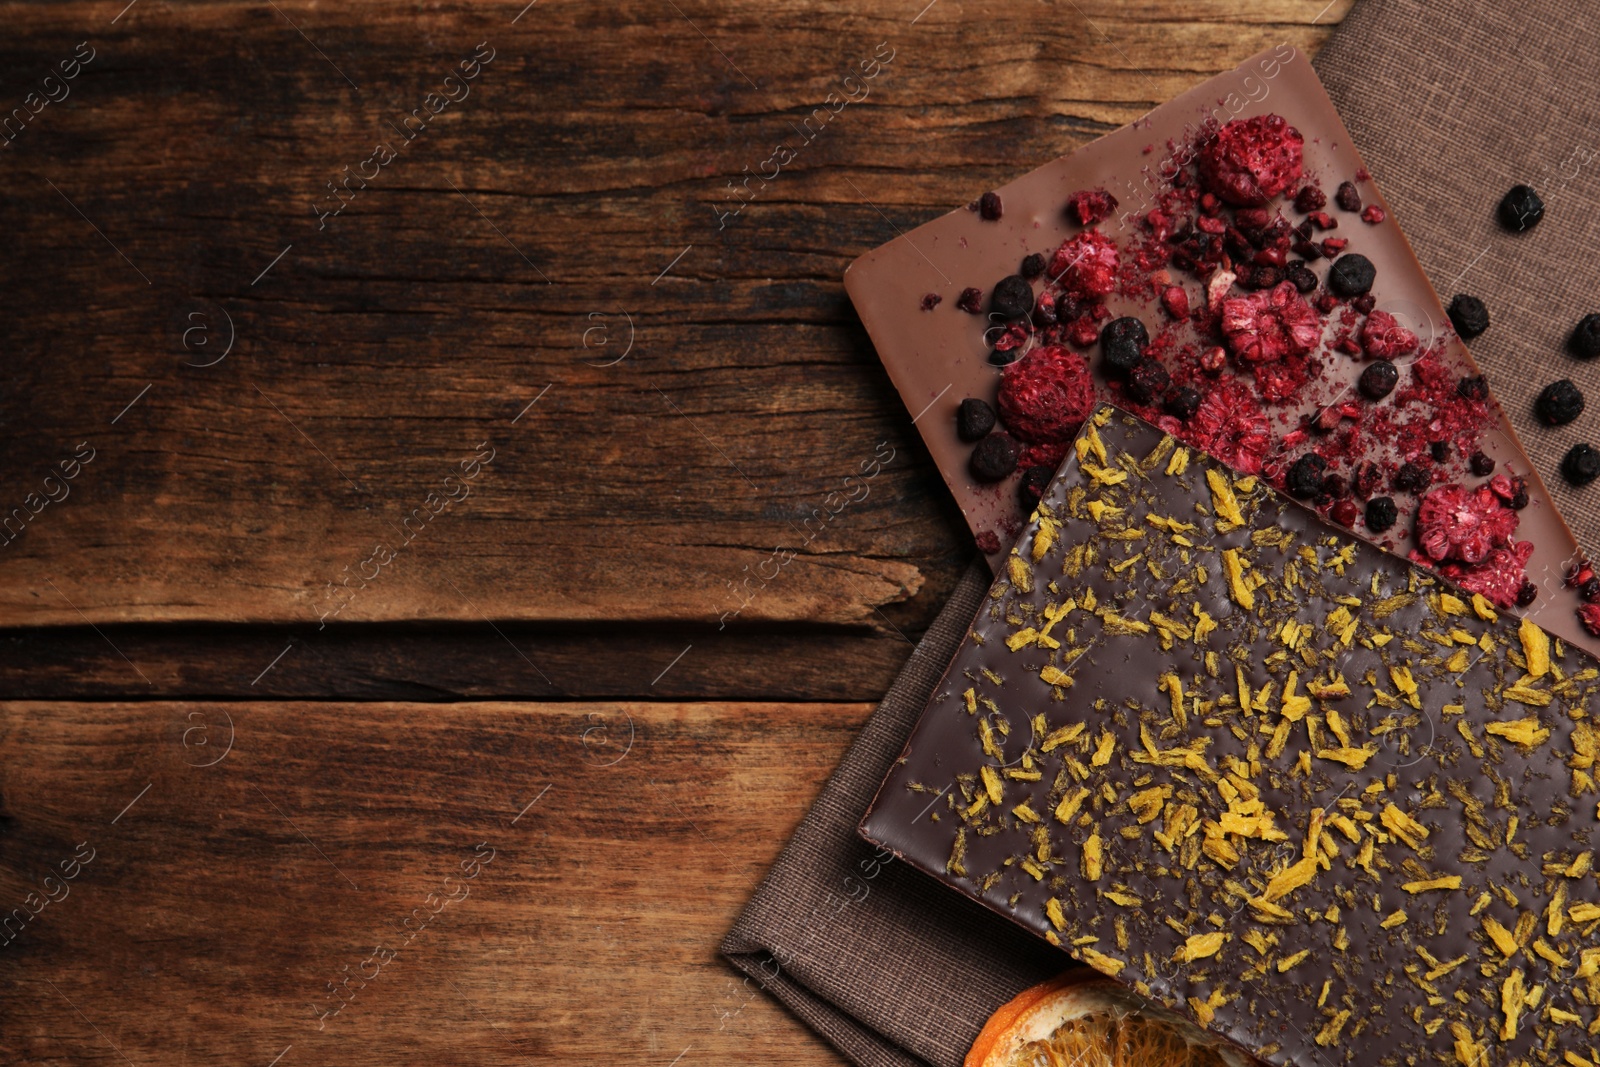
[212,905]
[459,661]
[580,186]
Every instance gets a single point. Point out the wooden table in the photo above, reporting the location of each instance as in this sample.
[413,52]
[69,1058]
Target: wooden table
[394,409]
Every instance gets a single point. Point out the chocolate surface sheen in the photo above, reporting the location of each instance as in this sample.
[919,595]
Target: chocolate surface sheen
[1332,807]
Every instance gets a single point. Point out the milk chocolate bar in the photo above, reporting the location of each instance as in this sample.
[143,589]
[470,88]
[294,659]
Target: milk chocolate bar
[1227,268]
[1332,806]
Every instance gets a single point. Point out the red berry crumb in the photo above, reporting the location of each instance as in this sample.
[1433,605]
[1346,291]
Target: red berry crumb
[988,542]
[1384,338]
[1087,207]
[1045,397]
[1086,264]
[1252,160]
[971,300]
[1373,214]
[1266,326]
[931,301]
[1310,199]
[1464,524]
[1176,301]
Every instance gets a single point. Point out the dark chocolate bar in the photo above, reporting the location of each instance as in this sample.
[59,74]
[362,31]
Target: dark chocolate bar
[1255,301]
[1332,806]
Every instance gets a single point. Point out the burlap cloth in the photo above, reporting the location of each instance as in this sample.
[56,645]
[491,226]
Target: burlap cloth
[1451,105]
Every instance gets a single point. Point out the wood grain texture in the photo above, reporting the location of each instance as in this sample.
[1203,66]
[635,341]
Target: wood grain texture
[460,284]
[215,909]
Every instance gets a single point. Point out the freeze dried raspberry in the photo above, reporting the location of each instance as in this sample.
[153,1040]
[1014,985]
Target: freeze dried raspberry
[1232,427]
[1250,161]
[1521,209]
[1032,265]
[1305,476]
[1048,454]
[1214,359]
[1310,199]
[1463,524]
[989,206]
[1267,326]
[971,301]
[1047,396]
[1351,275]
[1559,403]
[1122,343]
[1083,331]
[1280,380]
[1087,207]
[1348,197]
[993,458]
[931,301]
[1500,577]
[1470,317]
[1382,337]
[974,419]
[1147,381]
[1378,380]
[1086,264]
[1030,490]
[1322,220]
[1373,214]
[1175,301]
[1589,615]
[1012,297]
[1381,514]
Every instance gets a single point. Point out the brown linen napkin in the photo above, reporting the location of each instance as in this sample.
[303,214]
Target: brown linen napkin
[890,966]
[1451,105]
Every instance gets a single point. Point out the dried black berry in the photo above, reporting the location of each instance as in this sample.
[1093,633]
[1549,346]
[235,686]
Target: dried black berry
[1351,274]
[1559,403]
[1521,208]
[1527,594]
[1147,381]
[1581,465]
[1439,450]
[1347,197]
[1032,265]
[1310,199]
[1473,388]
[1468,316]
[1585,341]
[1122,343]
[1411,478]
[1482,465]
[1590,590]
[1519,499]
[1381,513]
[971,300]
[1252,276]
[1013,297]
[1301,275]
[1004,357]
[1306,475]
[1334,486]
[993,458]
[1183,402]
[1031,489]
[1378,380]
[1368,477]
[1364,303]
[974,419]
[989,206]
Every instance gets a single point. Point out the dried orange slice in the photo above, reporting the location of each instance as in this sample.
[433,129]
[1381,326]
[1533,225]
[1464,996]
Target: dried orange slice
[1082,1020]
